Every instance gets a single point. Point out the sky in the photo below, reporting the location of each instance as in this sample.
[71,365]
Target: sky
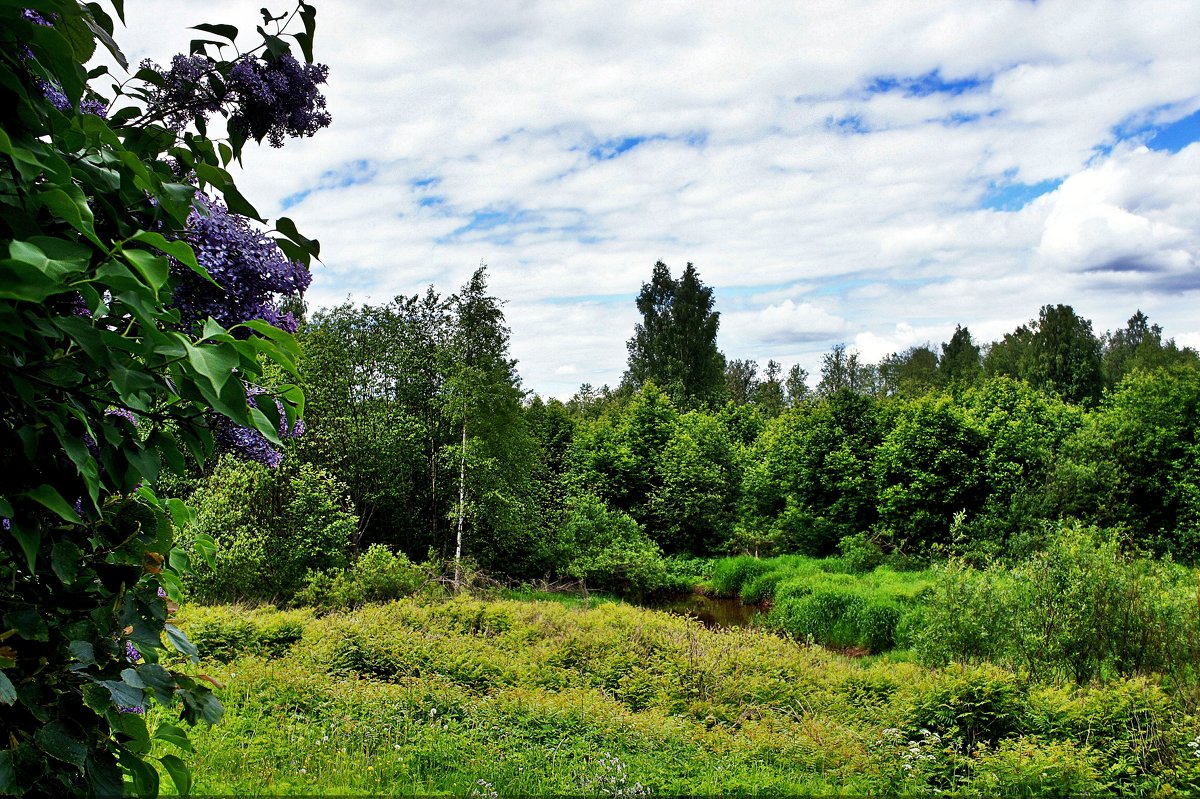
[839,171]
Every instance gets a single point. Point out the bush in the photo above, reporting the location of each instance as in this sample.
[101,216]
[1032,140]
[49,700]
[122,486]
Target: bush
[1029,766]
[860,553]
[969,706]
[378,575]
[828,615]
[271,527]
[1078,609]
[224,633]
[612,551]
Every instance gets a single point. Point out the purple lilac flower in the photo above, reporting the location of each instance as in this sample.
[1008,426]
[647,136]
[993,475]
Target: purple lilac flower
[131,652]
[37,19]
[6,523]
[187,91]
[248,443]
[270,99]
[249,268]
[54,94]
[277,98]
[162,592]
[123,413]
[253,445]
[95,108]
[138,709]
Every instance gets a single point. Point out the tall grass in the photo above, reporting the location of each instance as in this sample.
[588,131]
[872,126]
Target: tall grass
[526,697]
[819,600]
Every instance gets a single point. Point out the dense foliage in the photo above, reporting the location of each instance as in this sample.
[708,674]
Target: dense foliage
[136,312]
[525,697]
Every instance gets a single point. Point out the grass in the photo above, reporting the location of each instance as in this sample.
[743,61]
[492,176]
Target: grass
[543,697]
[821,601]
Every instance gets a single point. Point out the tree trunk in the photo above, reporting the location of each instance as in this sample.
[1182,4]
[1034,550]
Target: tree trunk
[462,502]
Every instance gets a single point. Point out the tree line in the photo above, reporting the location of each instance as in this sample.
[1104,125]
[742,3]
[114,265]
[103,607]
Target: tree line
[415,412]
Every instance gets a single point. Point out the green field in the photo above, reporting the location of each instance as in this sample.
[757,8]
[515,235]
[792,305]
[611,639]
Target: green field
[484,697]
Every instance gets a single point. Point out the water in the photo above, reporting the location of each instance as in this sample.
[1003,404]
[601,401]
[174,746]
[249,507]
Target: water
[710,611]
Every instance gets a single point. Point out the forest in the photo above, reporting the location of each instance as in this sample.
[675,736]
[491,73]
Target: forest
[253,547]
[415,418]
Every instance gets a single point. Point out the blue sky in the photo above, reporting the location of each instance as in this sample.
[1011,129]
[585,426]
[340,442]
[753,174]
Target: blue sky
[872,173]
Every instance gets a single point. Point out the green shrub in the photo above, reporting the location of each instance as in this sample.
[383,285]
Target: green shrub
[828,615]
[377,575]
[1029,766]
[223,633]
[969,706]
[271,527]
[860,553]
[612,551]
[875,621]
[1078,609]
[792,588]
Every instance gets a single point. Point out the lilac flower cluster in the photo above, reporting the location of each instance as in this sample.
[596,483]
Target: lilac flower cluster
[53,94]
[267,99]
[277,98]
[249,268]
[187,90]
[251,444]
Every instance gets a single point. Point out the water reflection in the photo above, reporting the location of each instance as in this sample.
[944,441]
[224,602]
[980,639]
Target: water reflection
[710,611]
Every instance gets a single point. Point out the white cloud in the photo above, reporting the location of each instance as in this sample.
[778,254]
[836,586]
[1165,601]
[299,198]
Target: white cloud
[875,238]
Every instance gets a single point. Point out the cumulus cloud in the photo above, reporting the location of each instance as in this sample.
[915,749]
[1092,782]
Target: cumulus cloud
[866,171]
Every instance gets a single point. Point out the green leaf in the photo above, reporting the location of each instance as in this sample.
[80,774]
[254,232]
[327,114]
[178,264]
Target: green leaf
[308,15]
[19,282]
[224,31]
[131,678]
[105,36]
[64,742]
[65,557]
[276,47]
[204,704]
[145,779]
[181,642]
[46,496]
[179,774]
[206,548]
[8,694]
[181,514]
[154,269]
[83,651]
[215,362]
[30,539]
[179,250]
[123,694]
[174,735]
[28,623]
[75,29]
[73,209]
[288,228]
[104,775]
[158,679]
[55,258]
[8,774]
